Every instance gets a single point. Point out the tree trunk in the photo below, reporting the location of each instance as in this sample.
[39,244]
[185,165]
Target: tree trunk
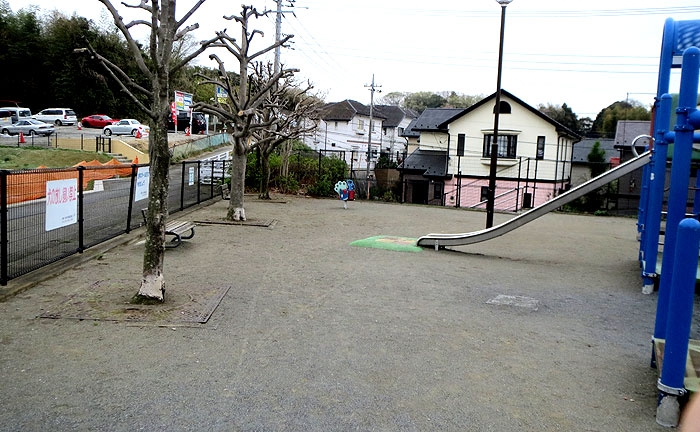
[236,211]
[286,152]
[153,282]
[264,192]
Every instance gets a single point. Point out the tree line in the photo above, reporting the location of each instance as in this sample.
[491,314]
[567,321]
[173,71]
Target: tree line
[41,68]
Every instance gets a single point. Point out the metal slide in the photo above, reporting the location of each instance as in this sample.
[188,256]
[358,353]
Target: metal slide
[440,240]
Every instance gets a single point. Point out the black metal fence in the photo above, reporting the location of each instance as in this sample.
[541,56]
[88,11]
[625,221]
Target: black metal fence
[105,199]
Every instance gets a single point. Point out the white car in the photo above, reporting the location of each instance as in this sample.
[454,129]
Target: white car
[57,116]
[28,127]
[126,127]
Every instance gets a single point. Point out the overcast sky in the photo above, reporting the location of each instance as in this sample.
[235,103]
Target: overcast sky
[587,54]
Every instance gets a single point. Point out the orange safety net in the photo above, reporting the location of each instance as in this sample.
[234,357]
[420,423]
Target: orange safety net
[32,185]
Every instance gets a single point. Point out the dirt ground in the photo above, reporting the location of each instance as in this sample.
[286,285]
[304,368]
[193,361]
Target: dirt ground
[318,335]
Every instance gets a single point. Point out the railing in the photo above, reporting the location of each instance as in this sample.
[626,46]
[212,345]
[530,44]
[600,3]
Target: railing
[49,214]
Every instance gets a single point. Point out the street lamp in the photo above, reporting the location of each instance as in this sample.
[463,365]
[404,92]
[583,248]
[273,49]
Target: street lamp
[494,141]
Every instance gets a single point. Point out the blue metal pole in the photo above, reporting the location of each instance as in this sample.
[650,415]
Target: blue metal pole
[680,177]
[671,384]
[666,58]
[696,195]
[642,210]
[657,182]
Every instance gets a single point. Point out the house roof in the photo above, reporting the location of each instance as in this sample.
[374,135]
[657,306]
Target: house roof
[583,147]
[428,163]
[346,110]
[394,114]
[436,119]
[628,130]
[408,132]
[559,127]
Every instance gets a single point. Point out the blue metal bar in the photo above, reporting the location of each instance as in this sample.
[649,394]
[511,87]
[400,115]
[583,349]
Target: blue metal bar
[666,59]
[657,180]
[680,177]
[671,384]
[670,137]
[696,195]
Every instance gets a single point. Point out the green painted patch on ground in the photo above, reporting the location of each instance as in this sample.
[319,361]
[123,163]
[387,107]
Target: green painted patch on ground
[400,244]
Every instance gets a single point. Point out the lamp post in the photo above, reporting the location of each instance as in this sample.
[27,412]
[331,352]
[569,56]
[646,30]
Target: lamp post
[494,141]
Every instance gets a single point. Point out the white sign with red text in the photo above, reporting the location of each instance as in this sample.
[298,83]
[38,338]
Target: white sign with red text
[61,203]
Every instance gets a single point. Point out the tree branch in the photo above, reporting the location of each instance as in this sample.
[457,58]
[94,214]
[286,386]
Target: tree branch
[202,47]
[142,5]
[138,22]
[133,46]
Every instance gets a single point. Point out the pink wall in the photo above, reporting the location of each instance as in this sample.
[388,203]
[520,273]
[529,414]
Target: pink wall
[471,193]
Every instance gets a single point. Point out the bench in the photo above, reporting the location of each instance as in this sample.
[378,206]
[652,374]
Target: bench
[177,229]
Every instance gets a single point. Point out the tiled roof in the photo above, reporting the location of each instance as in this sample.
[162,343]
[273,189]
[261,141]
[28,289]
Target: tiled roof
[394,114]
[432,118]
[346,110]
[628,130]
[428,163]
[583,147]
[409,132]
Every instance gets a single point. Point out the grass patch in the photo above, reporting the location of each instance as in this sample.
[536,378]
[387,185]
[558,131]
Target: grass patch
[32,157]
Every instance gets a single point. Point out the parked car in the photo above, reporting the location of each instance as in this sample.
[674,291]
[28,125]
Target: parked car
[199,123]
[29,127]
[98,121]
[125,127]
[57,116]
[17,113]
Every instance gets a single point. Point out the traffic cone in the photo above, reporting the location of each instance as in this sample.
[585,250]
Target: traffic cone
[138,134]
[187,131]
[21,138]
[80,125]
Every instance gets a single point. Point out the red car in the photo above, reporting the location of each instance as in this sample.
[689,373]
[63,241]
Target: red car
[98,121]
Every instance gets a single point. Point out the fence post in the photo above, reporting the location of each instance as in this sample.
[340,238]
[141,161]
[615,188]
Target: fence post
[517,190]
[223,172]
[81,240]
[131,197]
[56,139]
[211,179]
[97,144]
[3,227]
[319,164]
[199,183]
[81,142]
[109,143]
[182,188]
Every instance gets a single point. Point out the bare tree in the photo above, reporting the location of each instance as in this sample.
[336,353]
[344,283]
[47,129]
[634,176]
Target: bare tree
[242,111]
[291,106]
[157,65]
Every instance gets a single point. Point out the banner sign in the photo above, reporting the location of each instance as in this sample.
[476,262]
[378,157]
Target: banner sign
[142,181]
[221,95]
[191,178]
[61,203]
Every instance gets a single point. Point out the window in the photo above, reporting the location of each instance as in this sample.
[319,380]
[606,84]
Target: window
[360,124]
[505,108]
[507,145]
[540,147]
[335,125]
[460,145]
[484,193]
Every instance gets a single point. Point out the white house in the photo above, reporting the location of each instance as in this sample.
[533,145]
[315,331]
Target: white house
[344,127]
[451,163]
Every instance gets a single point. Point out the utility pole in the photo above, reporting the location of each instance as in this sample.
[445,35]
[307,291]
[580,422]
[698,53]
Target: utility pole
[372,88]
[278,34]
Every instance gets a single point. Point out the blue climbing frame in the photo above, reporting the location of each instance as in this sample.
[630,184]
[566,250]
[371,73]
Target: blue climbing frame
[681,248]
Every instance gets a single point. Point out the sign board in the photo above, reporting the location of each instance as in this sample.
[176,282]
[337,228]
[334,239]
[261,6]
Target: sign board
[191,179]
[221,95]
[183,101]
[61,203]
[143,178]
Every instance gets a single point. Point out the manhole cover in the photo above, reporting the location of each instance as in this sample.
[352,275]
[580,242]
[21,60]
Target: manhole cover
[515,301]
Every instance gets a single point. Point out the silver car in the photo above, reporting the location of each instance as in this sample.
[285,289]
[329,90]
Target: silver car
[28,127]
[126,127]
